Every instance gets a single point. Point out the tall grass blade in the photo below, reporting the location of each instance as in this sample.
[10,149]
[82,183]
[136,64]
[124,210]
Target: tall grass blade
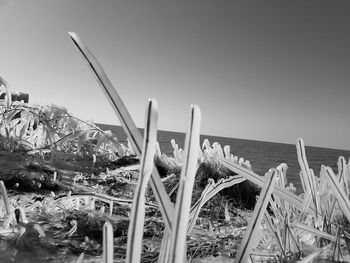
[337,190]
[134,135]
[302,182]
[164,250]
[342,173]
[137,218]
[307,175]
[108,249]
[317,200]
[304,166]
[6,198]
[250,236]
[184,195]
[347,178]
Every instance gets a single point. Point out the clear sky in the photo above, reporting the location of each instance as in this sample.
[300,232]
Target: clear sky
[262,70]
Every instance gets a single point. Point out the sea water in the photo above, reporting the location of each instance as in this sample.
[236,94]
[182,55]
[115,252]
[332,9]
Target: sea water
[262,155]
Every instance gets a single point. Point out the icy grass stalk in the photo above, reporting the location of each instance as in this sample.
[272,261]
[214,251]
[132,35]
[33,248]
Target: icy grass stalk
[134,135]
[337,190]
[137,218]
[108,249]
[164,250]
[6,198]
[276,232]
[183,201]
[306,204]
[316,232]
[343,174]
[305,170]
[307,177]
[251,236]
[343,181]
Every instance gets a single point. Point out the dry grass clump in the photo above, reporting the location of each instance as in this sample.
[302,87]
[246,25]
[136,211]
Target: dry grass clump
[242,194]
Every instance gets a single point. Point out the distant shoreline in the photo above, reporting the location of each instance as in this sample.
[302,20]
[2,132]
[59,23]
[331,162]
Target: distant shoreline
[228,138]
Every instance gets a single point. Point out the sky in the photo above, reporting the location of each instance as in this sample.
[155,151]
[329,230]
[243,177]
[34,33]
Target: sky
[261,70]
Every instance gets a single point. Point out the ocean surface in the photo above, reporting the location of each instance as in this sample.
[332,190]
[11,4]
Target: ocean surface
[262,155]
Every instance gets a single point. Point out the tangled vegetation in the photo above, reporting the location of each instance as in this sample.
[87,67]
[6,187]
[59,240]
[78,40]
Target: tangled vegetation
[50,129]
[75,177]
